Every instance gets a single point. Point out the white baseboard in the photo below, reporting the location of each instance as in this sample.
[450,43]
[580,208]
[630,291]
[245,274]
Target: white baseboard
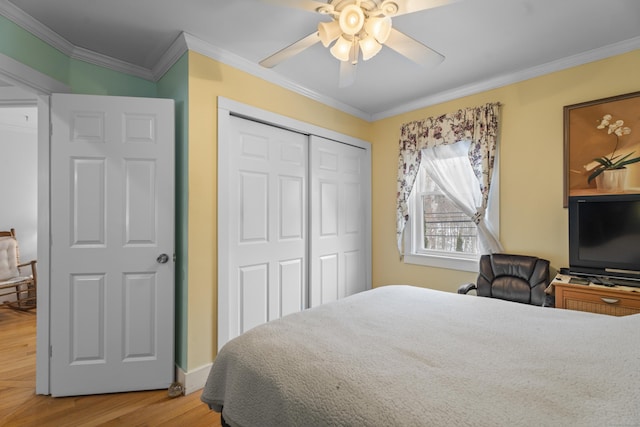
[193,380]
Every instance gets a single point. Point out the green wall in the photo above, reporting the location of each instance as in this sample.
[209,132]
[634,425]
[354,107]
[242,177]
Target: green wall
[174,85]
[94,80]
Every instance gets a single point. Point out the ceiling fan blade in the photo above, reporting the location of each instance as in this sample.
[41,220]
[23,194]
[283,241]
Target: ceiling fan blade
[410,6]
[310,5]
[413,49]
[347,74]
[291,50]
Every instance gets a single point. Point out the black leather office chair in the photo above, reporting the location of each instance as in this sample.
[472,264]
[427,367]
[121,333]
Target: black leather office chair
[518,278]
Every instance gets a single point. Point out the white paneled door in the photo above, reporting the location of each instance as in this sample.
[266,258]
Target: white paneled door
[263,226]
[339,177]
[112,234]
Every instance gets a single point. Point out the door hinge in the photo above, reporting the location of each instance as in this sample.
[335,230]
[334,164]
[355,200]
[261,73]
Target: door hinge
[50,351]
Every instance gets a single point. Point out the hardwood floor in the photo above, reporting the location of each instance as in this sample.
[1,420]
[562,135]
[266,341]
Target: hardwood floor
[20,406]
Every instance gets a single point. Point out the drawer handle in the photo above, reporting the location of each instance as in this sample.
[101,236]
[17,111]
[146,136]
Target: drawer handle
[610,300]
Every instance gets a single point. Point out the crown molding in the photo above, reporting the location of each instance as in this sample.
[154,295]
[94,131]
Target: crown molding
[44,33]
[256,70]
[111,63]
[178,48]
[511,78]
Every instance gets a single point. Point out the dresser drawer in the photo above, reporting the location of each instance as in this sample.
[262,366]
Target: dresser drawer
[597,300]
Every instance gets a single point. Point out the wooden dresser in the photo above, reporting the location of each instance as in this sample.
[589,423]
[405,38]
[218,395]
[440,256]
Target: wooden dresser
[615,301]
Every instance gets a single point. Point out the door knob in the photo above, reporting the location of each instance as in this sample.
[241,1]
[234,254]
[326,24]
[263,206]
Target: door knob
[162,258]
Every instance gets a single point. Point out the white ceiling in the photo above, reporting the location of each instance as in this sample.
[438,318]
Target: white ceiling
[486,43]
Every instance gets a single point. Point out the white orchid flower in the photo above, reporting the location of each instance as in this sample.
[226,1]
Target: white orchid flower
[612,161]
[613,127]
[622,131]
[605,121]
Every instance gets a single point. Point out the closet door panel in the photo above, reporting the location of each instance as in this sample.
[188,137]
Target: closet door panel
[266,207]
[338,244]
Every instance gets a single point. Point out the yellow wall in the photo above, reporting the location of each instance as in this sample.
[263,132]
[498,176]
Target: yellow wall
[532,219]
[209,79]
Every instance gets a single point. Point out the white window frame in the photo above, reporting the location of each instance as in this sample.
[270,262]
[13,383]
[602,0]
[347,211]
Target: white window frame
[413,234]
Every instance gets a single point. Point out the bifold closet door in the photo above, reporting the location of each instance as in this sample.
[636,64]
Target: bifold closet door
[339,177]
[263,226]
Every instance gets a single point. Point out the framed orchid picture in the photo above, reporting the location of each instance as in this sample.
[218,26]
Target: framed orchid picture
[602,146]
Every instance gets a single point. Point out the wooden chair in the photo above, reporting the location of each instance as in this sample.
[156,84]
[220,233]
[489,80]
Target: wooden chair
[12,280]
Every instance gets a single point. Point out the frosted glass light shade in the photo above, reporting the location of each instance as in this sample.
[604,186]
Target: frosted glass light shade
[328,32]
[370,47]
[378,27]
[341,49]
[351,19]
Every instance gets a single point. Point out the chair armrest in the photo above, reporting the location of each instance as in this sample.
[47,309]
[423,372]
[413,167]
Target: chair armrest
[31,264]
[464,289]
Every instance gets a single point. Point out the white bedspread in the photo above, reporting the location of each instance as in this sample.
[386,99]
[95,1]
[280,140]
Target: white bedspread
[407,356]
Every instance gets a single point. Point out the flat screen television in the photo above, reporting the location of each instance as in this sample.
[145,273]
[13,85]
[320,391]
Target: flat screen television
[604,237]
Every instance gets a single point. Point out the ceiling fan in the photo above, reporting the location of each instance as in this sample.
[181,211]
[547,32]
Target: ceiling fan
[359,28]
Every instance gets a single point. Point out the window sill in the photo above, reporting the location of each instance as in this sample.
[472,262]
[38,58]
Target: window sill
[449,262]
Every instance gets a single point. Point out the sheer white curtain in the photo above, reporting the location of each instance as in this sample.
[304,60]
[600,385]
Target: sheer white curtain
[449,167]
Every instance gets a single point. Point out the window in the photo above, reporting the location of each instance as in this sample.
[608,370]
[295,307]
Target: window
[439,234]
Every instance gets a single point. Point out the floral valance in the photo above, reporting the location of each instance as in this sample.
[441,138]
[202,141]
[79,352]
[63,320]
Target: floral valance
[478,125]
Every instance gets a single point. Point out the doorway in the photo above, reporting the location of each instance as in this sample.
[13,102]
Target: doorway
[19,174]
[36,87]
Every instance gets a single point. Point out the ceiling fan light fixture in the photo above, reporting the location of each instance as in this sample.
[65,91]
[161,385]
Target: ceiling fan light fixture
[389,7]
[341,49]
[378,27]
[369,47]
[351,19]
[328,32]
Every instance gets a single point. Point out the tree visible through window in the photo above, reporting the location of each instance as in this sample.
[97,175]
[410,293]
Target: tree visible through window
[444,226]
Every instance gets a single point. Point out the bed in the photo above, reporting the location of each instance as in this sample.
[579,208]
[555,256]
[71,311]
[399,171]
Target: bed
[408,356]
